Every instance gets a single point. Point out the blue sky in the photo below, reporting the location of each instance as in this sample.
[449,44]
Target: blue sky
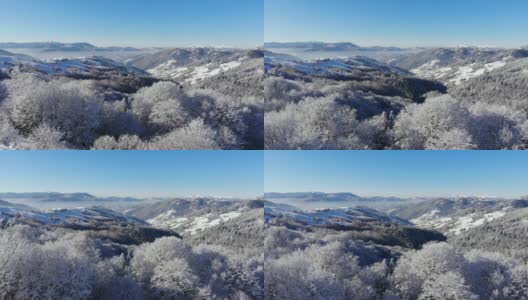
[166,23]
[134,173]
[399,173]
[399,23]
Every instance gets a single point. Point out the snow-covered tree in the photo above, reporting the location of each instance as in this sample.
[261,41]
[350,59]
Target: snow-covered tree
[195,136]
[438,121]
[448,286]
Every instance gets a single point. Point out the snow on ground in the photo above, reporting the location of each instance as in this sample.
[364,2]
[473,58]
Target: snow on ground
[170,69]
[59,65]
[191,225]
[322,67]
[456,224]
[80,216]
[206,71]
[342,216]
[456,74]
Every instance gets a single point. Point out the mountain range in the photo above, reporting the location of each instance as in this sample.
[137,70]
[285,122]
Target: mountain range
[66,66]
[191,216]
[11,213]
[451,66]
[56,46]
[315,50]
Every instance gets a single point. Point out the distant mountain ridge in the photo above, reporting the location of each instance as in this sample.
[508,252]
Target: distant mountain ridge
[311,195]
[66,66]
[457,65]
[55,196]
[455,216]
[57,46]
[325,46]
[335,67]
[91,216]
[328,217]
[315,50]
[313,46]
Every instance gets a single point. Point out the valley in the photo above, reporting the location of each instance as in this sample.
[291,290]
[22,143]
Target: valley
[397,251]
[408,98]
[132,252]
[89,97]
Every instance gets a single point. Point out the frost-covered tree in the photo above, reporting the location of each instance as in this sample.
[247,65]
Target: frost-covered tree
[3,91]
[63,269]
[517,288]
[117,119]
[174,280]
[496,127]
[9,136]
[438,121]
[146,98]
[195,136]
[73,108]
[415,268]
[167,115]
[124,142]
[47,138]
[488,273]
[448,286]
[320,123]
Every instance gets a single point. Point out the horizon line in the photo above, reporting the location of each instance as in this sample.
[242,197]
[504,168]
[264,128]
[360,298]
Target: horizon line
[97,195]
[371,45]
[408,196]
[130,45]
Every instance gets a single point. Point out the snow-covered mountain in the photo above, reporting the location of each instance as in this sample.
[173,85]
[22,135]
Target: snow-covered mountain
[6,204]
[506,234]
[329,217]
[49,46]
[500,86]
[193,65]
[315,50]
[50,200]
[74,66]
[454,216]
[93,216]
[311,200]
[456,65]
[313,196]
[170,70]
[190,216]
[49,50]
[312,46]
[337,67]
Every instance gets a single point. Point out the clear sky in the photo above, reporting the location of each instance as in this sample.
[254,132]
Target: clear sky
[399,23]
[134,173]
[139,23]
[399,173]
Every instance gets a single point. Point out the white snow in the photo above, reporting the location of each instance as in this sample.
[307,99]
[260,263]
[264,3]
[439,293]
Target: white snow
[191,225]
[327,66]
[65,216]
[341,216]
[463,73]
[60,66]
[170,69]
[456,74]
[456,224]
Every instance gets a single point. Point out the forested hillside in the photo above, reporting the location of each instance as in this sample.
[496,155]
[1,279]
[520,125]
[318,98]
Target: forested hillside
[440,98]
